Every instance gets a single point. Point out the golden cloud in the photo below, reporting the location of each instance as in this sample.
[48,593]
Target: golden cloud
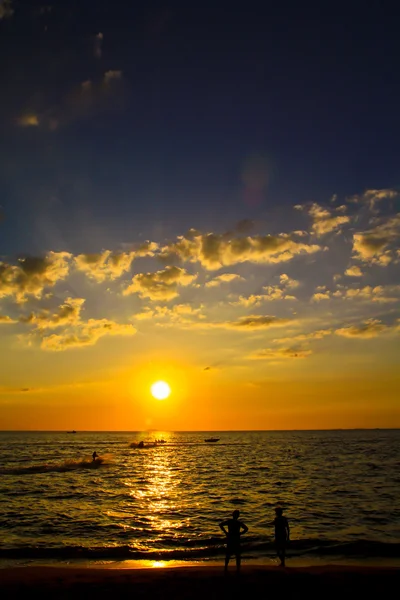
[28,120]
[320,296]
[305,337]
[109,265]
[368,329]
[274,292]
[33,275]
[281,353]
[324,220]
[175,313]
[378,293]
[161,285]
[252,300]
[225,278]
[372,246]
[256,322]
[353,271]
[288,282]
[86,334]
[371,197]
[5,319]
[68,314]
[214,251]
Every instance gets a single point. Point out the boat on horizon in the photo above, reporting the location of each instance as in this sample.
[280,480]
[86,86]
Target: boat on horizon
[211,439]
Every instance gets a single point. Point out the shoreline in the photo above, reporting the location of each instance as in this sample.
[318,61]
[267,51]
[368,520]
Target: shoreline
[266,562]
[196,582]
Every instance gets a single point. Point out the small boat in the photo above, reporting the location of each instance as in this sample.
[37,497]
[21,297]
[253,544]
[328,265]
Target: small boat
[212,439]
[71,431]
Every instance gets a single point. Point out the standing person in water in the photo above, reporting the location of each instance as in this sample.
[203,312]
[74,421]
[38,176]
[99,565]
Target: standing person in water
[233,532]
[282,533]
[94,455]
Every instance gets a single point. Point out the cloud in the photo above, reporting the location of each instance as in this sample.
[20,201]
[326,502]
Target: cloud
[288,282]
[324,220]
[368,329]
[372,246]
[112,75]
[33,275]
[320,296]
[5,319]
[378,293]
[256,322]
[6,9]
[97,45]
[161,285]
[68,314]
[214,251]
[305,337]
[176,313]
[244,324]
[109,265]
[225,278]
[244,226]
[274,292]
[28,120]
[372,197]
[353,271]
[281,353]
[253,300]
[89,98]
[86,334]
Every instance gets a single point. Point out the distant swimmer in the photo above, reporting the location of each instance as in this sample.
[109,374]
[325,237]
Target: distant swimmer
[235,529]
[282,533]
[95,455]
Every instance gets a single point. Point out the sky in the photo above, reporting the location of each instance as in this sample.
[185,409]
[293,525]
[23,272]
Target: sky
[204,196]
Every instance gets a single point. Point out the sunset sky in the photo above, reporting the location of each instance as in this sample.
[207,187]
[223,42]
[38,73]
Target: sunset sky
[205,197]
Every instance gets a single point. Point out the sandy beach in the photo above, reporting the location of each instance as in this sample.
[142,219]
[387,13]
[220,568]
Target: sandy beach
[196,582]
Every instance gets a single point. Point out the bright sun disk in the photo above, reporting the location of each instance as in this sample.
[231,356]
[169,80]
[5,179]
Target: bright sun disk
[160,390]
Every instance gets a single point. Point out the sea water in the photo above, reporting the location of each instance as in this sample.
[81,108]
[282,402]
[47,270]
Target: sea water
[340,491]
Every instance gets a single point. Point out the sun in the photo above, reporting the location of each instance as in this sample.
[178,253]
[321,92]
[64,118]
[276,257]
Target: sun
[160,390]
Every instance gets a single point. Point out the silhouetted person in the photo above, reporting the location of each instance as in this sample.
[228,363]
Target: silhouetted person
[94,455]
[141,444]
[235,528]
[282,533]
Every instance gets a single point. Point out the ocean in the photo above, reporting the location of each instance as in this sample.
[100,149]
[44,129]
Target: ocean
[340,491]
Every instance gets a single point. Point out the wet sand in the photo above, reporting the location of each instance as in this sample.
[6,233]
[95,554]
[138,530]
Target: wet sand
[197,582]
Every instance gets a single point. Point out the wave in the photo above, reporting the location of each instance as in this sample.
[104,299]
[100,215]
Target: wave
[64,467]
[214,548]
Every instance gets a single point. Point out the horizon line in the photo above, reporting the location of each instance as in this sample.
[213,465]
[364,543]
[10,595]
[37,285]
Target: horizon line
[195,430]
